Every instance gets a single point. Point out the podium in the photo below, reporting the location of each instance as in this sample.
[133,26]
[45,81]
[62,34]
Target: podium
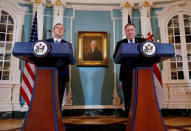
[144,114]
[44,110]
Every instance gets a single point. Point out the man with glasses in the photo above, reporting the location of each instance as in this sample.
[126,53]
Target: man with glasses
[125,75]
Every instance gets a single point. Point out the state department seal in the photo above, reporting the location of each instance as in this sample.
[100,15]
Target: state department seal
[148,49]
[41,48]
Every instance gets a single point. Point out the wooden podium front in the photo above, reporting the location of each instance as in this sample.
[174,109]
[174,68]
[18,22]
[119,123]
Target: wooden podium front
[44,110]
[144,114]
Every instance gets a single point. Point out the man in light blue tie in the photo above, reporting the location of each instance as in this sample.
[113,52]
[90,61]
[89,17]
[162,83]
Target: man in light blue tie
[63,71]
[125,75]
[131,41]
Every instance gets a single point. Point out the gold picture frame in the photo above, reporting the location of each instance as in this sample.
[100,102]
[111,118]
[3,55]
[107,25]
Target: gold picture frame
[92,48]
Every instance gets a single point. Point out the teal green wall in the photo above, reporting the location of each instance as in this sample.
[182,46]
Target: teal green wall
[95,84]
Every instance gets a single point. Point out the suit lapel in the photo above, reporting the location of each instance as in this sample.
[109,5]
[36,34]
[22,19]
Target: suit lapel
[136,40]
[52,40]
[63,40]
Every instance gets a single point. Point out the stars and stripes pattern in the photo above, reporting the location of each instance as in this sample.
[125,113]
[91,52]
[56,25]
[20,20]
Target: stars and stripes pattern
[34,30]
[29,70]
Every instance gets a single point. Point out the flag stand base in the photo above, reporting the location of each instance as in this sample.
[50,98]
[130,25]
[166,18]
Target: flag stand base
[44,110]
[144,112]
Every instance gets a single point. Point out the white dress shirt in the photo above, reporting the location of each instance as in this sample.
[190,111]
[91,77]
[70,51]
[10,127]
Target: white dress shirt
[133,40]
[57,40]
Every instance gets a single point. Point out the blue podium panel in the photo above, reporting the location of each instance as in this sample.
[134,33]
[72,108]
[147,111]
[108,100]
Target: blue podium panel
[129,53]
[60,54]
[45,92]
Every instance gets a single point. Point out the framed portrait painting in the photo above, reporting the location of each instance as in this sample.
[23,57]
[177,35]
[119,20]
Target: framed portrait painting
[92,48]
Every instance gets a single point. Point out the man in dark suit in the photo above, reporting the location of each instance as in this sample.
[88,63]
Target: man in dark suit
[63,71]
[125,75]
[94,54]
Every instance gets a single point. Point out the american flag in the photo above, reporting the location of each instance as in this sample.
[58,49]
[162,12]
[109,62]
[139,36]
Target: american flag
[29,70]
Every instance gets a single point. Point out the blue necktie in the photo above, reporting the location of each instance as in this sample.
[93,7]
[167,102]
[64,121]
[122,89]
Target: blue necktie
[131,41]
[56,42]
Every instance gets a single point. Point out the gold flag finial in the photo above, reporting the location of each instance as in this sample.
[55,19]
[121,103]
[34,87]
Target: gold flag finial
[58,2]
[146,4]
[127,4]
[38,1]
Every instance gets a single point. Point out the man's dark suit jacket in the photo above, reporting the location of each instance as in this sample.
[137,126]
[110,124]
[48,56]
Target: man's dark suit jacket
[63,71]
[95,55]
[126,69]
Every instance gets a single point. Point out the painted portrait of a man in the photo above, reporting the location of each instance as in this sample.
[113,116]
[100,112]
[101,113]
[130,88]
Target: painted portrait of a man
[94,54]
[92,48]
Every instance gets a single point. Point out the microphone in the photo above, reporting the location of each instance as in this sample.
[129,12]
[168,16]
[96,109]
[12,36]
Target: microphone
[140,36]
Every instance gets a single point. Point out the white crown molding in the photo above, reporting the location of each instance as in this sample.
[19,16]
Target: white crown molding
[13,8]
[68,3]
[93,7]
[166,14]
[117,1]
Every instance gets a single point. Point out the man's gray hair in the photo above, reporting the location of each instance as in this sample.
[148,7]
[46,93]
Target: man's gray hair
[57,24]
